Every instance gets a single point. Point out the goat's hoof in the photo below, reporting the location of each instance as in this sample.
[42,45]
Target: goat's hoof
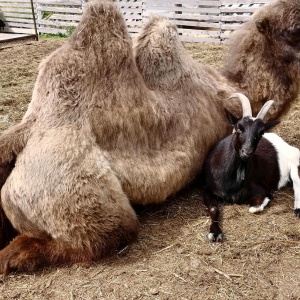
[255,209]
[297,212]
[215,237]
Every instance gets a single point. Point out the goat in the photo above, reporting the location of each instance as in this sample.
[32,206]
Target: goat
[248,165]
[263,60]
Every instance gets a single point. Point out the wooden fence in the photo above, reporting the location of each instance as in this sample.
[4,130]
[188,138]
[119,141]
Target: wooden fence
[209,21]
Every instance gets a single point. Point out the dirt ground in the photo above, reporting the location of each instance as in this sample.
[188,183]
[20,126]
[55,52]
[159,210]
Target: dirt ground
[172,258]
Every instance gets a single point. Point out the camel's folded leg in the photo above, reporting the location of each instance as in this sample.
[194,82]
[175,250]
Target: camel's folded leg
[25,253]
[28,253]
[12,142]
[65,201]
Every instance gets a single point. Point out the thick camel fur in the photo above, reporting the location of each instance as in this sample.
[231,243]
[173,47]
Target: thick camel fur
[107,127]
[264,57]
[12,142]
[101,136]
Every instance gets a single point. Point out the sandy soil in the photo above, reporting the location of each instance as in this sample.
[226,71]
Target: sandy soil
[171,258]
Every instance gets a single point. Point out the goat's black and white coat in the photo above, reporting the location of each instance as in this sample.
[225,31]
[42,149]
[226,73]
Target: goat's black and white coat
[248,165]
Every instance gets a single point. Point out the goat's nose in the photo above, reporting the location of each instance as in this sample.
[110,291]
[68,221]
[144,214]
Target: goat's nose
[246,152]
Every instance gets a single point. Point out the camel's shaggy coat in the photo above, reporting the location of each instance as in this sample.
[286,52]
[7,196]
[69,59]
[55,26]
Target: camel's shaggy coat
[105,127]
[264,57]
[101,136]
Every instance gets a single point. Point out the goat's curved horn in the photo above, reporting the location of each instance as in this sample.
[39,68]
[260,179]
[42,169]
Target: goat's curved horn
[264,110]
[245,103]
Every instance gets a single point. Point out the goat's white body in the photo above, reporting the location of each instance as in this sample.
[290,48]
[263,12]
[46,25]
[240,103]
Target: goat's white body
[288,160]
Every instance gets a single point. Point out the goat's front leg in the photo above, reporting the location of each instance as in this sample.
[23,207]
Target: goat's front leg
[215,232]
[295,175]
[259,199]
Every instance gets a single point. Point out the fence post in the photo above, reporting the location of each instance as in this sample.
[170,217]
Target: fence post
[83,4]
[34,20]
[144,4]
[39,14]
[220,21]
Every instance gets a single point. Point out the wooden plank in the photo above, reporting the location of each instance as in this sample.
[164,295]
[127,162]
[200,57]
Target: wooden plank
[60,9]
[18,15]
[185,3]
[224,2]
[8,37]
[130,4]
[21,10]
[230,26]
[238,9]
[17,1]
[225,36]
[57,23]
[19,20]
[59,2]
[199,3]
[196,24]
[185,9]
[131,10]
[139,9]
[193,39]
[19,25]
[148,16]
[198,17]
[52,30]
[199,32]
[235,18]
[65,17]
[18,30]
[134,24]
[18,5]
[173,15]
[132,17]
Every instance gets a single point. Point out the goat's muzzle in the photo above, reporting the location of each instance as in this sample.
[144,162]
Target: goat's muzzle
[245,154]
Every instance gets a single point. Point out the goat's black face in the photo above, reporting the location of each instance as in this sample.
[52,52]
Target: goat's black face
[248,133]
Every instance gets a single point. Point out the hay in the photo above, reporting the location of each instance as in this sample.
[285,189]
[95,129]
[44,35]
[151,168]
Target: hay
[172,258]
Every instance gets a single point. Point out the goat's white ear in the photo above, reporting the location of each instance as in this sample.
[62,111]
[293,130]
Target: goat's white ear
[264,110]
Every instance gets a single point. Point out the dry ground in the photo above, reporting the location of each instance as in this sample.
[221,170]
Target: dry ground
[172,259]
